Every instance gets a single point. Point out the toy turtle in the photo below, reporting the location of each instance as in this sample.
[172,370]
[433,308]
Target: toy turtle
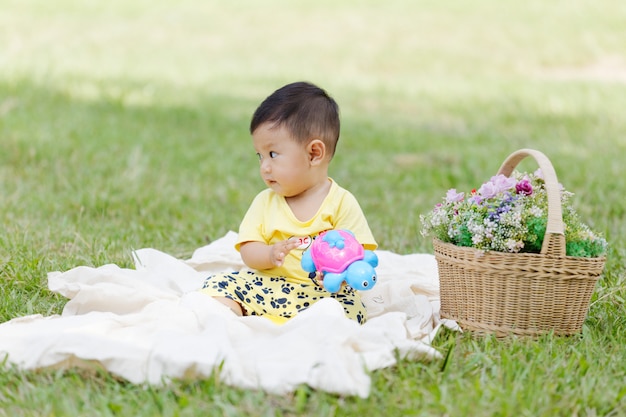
[340,257]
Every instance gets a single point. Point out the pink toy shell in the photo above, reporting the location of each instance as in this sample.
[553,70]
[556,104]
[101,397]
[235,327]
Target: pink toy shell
[330,258]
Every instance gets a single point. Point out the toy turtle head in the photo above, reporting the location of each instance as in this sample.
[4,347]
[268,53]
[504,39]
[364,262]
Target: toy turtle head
[361,276]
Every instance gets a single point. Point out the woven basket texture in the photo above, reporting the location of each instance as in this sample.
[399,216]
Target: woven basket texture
[524,294]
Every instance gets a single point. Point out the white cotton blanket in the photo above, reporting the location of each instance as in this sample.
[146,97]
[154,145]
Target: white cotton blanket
[148,325]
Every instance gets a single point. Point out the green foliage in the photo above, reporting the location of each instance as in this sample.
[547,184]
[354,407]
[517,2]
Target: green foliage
[536,232]
[124,125]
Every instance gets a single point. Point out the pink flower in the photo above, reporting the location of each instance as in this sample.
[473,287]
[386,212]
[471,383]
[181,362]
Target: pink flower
[503,183]
[524,187]
[452,196]
[497,184]
[488,190]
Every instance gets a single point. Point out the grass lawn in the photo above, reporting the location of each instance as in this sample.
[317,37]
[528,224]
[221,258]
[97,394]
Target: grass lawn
[124,125]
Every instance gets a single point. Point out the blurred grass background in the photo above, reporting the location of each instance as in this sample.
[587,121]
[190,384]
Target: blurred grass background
[125,125]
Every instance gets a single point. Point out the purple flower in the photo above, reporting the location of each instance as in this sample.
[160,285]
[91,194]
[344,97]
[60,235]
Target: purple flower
[524,187]
[497,184]
[475,199]
[452,196]
[503,183]
[488,190]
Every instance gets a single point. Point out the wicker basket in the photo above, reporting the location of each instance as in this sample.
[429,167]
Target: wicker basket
[525,294]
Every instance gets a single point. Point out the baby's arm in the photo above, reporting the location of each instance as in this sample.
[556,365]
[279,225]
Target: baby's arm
[258,255]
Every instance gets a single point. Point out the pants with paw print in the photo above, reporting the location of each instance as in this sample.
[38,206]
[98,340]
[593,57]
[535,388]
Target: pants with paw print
[259,295]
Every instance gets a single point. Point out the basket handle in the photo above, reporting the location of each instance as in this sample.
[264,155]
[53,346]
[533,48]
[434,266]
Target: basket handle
[554,239]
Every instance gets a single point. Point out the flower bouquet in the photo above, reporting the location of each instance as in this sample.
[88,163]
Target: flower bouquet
[513,255]
[509,214]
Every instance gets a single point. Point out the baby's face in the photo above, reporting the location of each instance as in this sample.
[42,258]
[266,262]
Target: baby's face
[285,165]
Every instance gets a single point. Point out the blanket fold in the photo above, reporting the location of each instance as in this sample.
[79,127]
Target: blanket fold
[149,324]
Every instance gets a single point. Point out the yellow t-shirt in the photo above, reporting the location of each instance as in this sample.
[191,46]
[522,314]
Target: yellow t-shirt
[270,219]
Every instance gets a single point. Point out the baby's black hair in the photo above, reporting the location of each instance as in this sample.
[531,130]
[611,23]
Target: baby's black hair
[306,110]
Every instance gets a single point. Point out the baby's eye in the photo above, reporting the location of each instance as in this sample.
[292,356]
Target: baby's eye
[273,154]
[258,155]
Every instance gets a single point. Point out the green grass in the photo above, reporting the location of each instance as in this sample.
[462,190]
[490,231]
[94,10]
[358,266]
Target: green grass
[124,125]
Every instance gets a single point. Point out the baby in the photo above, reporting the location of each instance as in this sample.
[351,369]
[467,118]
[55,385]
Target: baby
[294,133]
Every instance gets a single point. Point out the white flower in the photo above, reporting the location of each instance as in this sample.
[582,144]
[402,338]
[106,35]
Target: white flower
[514,245]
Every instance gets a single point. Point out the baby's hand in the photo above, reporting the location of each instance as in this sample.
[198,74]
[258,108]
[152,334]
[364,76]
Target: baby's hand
[280,249]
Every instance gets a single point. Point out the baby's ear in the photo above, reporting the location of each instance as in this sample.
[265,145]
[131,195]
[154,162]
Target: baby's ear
[317,151]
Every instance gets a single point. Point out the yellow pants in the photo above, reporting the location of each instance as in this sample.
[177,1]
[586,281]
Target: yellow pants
[278,298]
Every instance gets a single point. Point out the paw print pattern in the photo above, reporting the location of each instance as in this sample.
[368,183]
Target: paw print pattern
[359,317]
[259,299]
[280,303]
[303,306]
[287,288]
[278,296]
